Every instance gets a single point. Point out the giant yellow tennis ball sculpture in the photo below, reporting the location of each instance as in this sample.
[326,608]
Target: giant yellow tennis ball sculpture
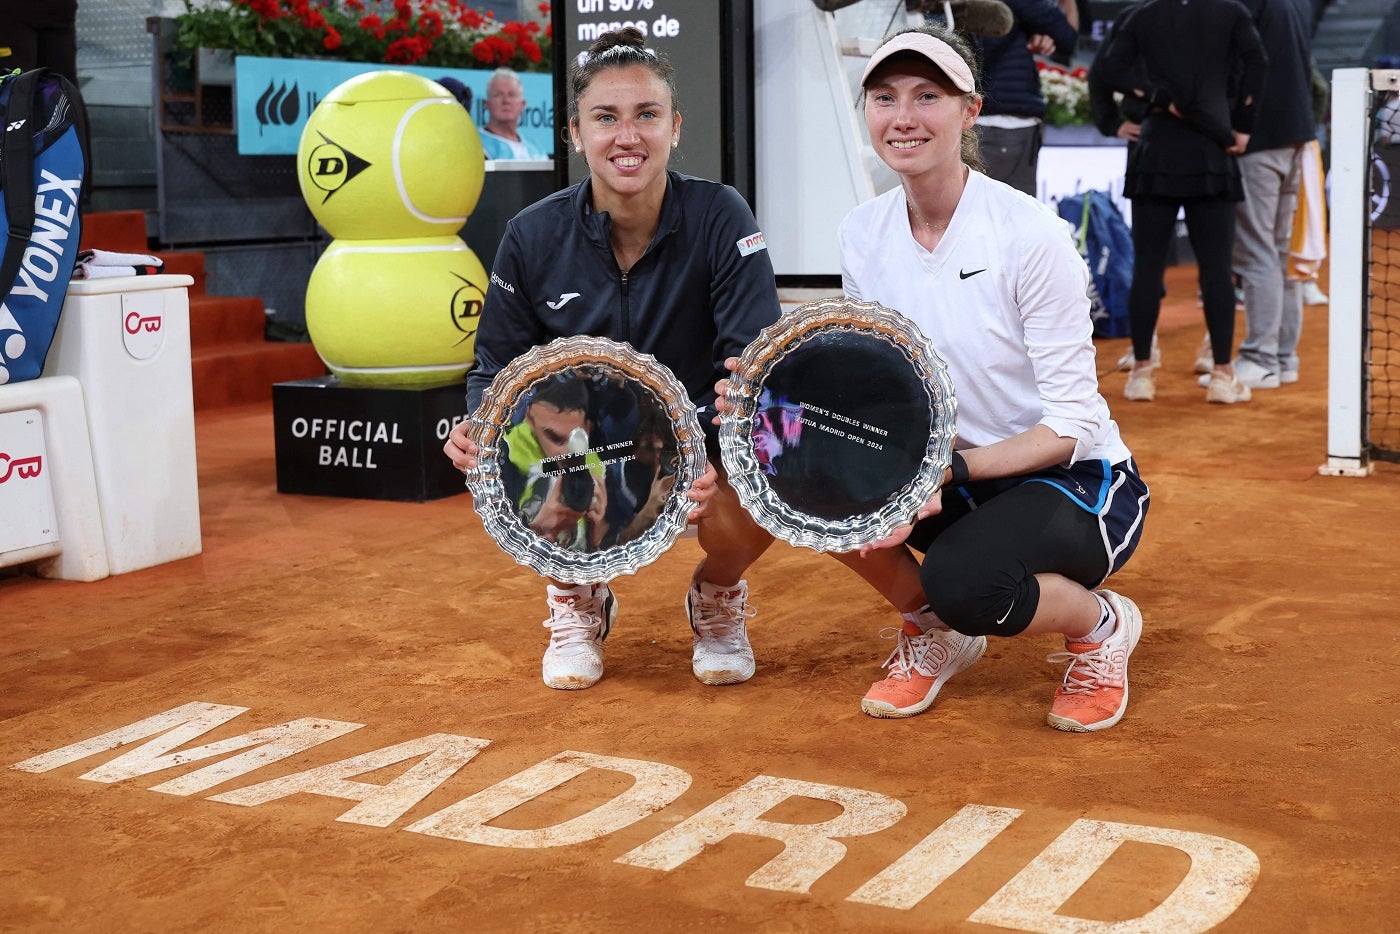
[390,154]
[396,312]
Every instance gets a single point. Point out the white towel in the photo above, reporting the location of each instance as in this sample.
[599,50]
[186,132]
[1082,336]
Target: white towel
[109,258]
[106,264]
[87,271]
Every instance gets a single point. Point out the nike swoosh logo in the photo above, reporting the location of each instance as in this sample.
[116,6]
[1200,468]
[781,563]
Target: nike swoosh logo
[964,274]
[563,300]
[1013,602]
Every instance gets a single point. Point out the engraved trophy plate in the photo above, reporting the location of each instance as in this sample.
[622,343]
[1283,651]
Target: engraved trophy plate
[841,422]
[587,451]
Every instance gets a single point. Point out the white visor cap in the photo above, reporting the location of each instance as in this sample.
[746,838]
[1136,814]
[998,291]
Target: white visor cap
[937,51]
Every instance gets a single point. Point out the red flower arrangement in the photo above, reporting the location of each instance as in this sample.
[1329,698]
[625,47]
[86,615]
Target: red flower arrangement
[1066,94]
[444,33]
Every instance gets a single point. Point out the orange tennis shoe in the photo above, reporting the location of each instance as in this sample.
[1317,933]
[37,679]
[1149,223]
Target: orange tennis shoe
[1094,692]
[921,663]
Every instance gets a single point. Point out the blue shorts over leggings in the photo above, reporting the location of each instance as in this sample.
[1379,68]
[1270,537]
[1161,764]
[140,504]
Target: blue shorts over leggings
[982,552]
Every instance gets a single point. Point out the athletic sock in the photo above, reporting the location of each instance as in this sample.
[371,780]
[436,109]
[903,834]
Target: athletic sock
[1107,623]
[925,619]
[708,589]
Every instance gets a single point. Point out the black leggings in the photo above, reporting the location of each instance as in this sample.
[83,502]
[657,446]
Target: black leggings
[1210,225]
[980,564]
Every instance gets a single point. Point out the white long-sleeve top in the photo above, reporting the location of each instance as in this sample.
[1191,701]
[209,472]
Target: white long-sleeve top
[1003,298]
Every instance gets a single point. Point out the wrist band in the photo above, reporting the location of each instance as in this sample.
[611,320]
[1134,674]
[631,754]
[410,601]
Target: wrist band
[958,466]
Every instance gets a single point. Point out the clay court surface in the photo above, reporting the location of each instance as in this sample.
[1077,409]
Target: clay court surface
[1252,783]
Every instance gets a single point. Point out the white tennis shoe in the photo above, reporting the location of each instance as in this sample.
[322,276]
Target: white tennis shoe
[579,620]
[720,652]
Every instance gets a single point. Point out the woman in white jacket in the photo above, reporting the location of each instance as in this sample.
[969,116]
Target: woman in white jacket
[1043,500]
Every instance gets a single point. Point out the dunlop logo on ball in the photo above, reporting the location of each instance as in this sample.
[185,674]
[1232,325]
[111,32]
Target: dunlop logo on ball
[466,307]
[330,166]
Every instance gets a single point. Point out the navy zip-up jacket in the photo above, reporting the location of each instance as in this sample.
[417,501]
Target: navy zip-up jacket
[1010,81]
[701,292]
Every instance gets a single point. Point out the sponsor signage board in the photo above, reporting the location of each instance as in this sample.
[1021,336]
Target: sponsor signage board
[367,442]
[274,96]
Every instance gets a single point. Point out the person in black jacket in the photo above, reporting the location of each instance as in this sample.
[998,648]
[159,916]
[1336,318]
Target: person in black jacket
[1119,116]
[1116,115]
[1010,129]
[1201,97]
[675,266]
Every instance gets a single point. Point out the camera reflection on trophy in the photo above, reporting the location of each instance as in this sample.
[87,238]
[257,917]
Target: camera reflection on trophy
[551,475]
[576,487]
[650,474]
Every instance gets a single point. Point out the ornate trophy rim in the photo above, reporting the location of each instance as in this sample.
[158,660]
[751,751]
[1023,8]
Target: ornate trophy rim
[490,420]
[745,385]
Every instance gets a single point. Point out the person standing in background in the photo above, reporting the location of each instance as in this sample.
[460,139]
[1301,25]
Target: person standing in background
[505,102]
[1308,248]
[1270,169]
[1201,98]
[1119,116]
[1010,128]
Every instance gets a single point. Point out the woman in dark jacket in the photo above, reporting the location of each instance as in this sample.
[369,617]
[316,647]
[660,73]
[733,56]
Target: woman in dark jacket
[1201,97]
[1010,128]
[677,267]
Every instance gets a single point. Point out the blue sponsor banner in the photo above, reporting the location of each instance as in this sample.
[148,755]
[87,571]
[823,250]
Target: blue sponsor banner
[275,96]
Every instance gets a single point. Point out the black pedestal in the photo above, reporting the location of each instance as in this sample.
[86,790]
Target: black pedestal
[366,442]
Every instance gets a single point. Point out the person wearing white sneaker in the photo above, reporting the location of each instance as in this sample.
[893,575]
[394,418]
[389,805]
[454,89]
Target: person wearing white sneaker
[1185,160]
[1126,361]
[1223,387]
[1249,374]
[1313,294]
[1042,499]
[1272,168]
[1142,383]
[696,287]
[1205,358]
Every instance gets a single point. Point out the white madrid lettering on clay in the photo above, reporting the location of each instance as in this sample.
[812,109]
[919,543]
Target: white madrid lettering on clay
[1220,876]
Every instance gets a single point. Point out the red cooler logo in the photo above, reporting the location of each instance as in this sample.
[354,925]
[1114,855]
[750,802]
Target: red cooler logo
[23,468]
[135,324]
[143,323]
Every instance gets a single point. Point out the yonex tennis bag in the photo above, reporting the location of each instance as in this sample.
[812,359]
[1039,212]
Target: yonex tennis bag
[42,171]
[1106,243]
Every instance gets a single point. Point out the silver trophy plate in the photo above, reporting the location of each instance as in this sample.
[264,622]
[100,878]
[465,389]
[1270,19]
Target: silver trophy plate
[841,423]
[587,451]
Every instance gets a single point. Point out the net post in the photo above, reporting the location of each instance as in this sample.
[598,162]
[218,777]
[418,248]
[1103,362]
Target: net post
[1347,255]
